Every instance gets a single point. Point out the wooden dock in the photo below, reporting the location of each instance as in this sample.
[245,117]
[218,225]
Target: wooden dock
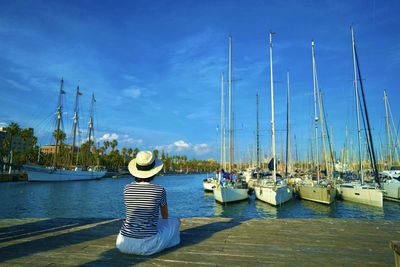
[204,242]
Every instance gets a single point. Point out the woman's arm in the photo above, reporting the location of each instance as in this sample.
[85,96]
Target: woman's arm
[164,211]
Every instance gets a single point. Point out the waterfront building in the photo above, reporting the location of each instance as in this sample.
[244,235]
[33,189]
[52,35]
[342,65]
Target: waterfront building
[18,142]
[51,149]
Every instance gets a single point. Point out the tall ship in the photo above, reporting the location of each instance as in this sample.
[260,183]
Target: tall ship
[66,170]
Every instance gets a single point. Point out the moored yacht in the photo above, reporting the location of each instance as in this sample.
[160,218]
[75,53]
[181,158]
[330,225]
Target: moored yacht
[272,191]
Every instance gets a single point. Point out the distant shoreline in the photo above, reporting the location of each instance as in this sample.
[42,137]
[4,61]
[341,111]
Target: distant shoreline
[23,177]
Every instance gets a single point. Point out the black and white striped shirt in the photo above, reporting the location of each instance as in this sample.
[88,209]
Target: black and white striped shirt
[142,203]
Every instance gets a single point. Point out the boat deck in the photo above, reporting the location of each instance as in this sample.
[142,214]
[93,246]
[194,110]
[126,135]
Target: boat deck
[205,242]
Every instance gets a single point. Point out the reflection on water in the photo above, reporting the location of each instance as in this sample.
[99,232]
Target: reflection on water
[265,209]
[186,198]
[318,209]
[240,209]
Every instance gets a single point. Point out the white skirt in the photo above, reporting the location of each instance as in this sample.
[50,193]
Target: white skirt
[167,236]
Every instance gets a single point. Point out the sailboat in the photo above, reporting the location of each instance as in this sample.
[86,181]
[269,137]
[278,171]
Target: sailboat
[229,189]
[321,192]
[272,191]
[391,177]
[356,191]
[210,182]
[56,172]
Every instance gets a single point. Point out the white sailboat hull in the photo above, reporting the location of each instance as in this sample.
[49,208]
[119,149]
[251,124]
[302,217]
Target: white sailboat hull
[359,194]
[209,185]
[273,195]
[43,174]
[320,194]
[228,194]
[391,190]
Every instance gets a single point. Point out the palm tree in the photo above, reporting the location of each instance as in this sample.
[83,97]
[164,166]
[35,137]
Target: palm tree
[13,129]
[124,154]
[25,135]
[130,151]
[113,144]
[135,151]
[155,153]
[59,135]
[106,145]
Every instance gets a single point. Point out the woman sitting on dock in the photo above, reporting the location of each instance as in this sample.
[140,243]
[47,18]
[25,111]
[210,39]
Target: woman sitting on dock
[143,232]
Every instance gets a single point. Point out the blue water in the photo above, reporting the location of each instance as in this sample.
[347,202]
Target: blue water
[186,198]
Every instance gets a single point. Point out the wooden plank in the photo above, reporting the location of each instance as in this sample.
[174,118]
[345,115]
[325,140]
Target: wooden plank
[204,242]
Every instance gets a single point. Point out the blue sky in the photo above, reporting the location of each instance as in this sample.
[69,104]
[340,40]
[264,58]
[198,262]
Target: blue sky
[155,67]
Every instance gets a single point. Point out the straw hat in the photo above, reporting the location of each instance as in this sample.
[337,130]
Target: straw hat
[145,165]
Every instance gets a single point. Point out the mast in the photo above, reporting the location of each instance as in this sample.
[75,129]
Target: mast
[272,107]
[91,129]
[222,126]
[315,109]
[75,118]
[59,117]
[370,141]
[357,106]
[257,135]
[323,133]
[295,147]
[288,127]
[230,104]
[389,147]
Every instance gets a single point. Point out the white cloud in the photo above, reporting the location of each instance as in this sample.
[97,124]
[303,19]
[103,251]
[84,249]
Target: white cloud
[181,145]
[17,85]
[201,149]
[131,141]
[190,149]
[108,137]
[132,92]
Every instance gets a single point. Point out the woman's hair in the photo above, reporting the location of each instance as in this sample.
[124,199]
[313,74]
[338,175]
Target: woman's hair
[141,180]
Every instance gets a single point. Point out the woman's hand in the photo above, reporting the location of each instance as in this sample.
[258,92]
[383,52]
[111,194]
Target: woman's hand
[164,211]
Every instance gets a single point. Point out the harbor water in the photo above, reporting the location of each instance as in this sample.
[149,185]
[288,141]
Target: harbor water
[104,199]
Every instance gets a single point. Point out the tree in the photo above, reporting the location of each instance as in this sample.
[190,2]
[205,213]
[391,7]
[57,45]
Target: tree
[135,151]
[59,135]
[13,130]
[124,154]
[155,153]
[113,144]
[106,145]
[25,135]
[130,151]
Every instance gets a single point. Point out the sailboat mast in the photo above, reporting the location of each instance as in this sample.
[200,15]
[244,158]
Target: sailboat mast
[272,107]
[357,107]
[59,114]
[230,104]
[91,130]
[257,134]
[315,109]
[76,117]
[370,142]
[222,126]
[322,121]
[288,126]
[389,147]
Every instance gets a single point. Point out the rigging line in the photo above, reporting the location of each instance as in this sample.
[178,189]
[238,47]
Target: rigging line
[396,142]
[328,135]
[372,152]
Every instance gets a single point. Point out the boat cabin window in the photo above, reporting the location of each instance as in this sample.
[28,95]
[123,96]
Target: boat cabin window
[347,186]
